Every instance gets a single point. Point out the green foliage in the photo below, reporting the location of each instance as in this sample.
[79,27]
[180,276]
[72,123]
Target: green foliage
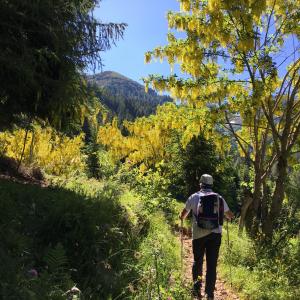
[291,214]
[56,258]
[78,231]
[186,165]
[153,188]
[169,142]
[260,273]
[124,97]
[153,210]
[107,165]
[99,162]
[154,192]
[45,46]
[92,162]
[110,241]
[159,264]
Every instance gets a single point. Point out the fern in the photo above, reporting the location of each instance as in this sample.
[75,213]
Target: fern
[56,258]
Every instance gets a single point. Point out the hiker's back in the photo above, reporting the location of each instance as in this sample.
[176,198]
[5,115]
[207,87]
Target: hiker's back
[210,210]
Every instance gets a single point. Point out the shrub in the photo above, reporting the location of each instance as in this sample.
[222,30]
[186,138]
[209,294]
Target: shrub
[258,274]
[55,153]
[66,236]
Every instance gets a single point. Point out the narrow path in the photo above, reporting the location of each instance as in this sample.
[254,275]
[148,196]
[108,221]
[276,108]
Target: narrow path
[221,293]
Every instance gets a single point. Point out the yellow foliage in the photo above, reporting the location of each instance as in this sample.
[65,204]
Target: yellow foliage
[185,5]
[146,143]
[147,57]
[55,153]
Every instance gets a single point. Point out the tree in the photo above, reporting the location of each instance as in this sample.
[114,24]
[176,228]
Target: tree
[44,48]
[147,138]
[242,63]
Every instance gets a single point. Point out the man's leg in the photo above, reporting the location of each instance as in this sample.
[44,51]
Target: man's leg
[198,251]
[212,252]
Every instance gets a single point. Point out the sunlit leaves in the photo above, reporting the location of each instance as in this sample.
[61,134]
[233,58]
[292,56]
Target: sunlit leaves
[55,153]
[147,138]
[228,55]
[45,48]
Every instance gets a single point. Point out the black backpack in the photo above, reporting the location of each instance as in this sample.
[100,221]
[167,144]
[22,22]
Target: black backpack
[210,211]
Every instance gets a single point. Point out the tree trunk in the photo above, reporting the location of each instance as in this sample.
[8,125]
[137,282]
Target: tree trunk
[265,201]
[277,199]
[31,148]
[244,209]
[253,216]
[23,150]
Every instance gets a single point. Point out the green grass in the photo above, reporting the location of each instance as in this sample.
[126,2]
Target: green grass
[84,219]
[98,235]
[255,277]
[159,263]
[158,254]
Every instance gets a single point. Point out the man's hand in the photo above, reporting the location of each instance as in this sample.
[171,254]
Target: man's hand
[229,215]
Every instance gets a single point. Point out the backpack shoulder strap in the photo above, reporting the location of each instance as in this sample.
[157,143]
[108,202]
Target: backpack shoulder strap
[198,204]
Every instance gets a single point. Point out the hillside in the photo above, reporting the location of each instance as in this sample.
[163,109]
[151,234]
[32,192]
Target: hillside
[125,97]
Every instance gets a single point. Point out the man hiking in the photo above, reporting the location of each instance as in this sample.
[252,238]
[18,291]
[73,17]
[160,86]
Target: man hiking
[208,209]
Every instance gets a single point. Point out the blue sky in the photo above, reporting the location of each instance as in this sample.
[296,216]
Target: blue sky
[147,28]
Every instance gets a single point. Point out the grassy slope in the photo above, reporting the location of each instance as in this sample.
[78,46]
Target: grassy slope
[100,236]
[84,219]
[93,234]
[255,277]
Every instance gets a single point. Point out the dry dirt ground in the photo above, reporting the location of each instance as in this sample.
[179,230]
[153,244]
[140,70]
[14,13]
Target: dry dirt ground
[221,292]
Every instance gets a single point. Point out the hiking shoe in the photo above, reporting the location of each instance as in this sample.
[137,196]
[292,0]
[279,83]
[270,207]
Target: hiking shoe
[196,295]
[196,292]
[208,297]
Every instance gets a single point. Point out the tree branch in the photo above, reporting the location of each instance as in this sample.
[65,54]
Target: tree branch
[237,138]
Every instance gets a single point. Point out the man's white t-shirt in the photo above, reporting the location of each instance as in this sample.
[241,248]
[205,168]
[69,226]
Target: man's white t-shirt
[192,204]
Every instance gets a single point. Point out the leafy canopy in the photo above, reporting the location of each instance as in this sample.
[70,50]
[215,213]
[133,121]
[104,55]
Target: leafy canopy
[241,61]
[147,138]
[44,47]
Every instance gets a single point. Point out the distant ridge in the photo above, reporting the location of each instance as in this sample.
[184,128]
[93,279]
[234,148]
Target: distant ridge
[123,96]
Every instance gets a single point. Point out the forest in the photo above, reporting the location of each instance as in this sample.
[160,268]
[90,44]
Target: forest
[94,171]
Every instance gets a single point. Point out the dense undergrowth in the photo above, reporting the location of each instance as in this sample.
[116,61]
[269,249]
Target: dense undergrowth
[261,273]
[97,235]
[110,236]
[107,227]
[67,236]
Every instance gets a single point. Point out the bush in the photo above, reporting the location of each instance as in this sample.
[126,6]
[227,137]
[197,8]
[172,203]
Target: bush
[158,255]
[159,264]
[67,237]
[109,241]
[55,153]
[258,274]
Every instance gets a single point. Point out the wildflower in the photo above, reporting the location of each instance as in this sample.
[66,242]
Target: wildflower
[33,273]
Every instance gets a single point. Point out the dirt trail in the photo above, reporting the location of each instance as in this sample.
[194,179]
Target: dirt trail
[221,293]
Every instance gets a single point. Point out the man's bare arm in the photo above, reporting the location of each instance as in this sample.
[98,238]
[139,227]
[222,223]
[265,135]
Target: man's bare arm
[183,214]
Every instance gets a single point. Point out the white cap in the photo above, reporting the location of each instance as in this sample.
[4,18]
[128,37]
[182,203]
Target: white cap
[206,179]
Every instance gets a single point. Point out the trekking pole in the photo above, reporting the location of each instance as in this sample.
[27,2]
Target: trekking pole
[181,246]
[229,251]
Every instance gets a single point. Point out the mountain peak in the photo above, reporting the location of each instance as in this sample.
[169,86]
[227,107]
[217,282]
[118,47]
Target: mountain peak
[124,96]
[110,75]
